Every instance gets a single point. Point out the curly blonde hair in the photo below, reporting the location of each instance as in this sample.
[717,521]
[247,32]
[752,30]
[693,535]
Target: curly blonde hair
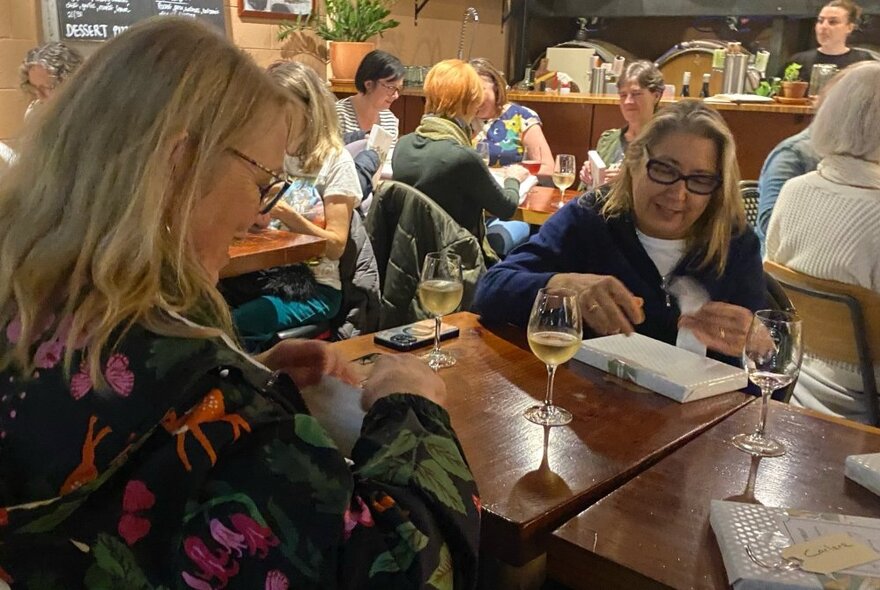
[95,213]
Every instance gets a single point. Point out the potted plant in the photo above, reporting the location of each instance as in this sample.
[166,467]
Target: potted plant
[791,86]
[347,25]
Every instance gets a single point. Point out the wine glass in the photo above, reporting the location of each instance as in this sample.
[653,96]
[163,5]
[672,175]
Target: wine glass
[440,290]
[554,336]
[482,148]
[563,174]
[772,357]
[532,158]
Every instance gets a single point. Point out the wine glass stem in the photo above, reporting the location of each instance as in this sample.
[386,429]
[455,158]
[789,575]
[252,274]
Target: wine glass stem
[438,320]
[766,392]
[551,373]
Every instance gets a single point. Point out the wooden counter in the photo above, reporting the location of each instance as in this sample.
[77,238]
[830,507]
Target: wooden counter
[573,123]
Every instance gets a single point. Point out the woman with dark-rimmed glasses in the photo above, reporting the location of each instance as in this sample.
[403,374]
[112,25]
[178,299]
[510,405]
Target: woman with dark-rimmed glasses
[674,212]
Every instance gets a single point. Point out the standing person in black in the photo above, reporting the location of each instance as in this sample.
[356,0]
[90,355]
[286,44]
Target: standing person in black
[836,21]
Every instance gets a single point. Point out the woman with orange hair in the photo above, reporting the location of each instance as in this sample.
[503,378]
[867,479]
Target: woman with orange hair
[438,160]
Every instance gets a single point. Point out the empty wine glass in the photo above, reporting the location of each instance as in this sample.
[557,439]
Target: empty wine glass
[440,290]
[563,174]
[482,148]
[554,336]
[532,158]
[772,357]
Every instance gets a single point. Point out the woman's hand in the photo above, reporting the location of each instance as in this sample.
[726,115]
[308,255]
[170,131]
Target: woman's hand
[307,361]
[516,171]
[606,305]
[586,174]
[262,221]
[723,327]
[402,373]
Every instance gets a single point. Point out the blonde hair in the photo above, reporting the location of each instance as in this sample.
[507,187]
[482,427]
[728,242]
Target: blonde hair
[453,89]
[725,215]
[95,213]
[320,138]
[485,69]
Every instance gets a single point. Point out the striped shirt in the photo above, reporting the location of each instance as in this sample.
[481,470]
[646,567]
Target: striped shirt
[348,119]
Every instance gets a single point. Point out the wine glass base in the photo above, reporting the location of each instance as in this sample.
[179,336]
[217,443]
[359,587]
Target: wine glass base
[439,359]
[548,415]
[758,445]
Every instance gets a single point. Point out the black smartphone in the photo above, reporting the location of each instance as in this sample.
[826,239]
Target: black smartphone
[412,336]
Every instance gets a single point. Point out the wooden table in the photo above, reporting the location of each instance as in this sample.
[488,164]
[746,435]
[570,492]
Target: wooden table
[268,248]
[654,531]
[541,202]
[532,479]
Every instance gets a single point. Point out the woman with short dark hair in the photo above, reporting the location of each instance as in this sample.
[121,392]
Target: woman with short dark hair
[379,81]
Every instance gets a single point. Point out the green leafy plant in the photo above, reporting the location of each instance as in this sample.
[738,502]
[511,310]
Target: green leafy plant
[346,20]
[768,87]
[792,72]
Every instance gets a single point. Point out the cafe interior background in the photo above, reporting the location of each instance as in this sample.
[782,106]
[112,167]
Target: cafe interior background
[528,27]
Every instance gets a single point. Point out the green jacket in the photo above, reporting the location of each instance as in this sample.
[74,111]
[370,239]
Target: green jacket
[455,178]
[404,225]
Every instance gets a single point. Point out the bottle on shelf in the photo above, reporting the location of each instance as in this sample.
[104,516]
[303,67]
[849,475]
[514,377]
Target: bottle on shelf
[704,89]
[686,85]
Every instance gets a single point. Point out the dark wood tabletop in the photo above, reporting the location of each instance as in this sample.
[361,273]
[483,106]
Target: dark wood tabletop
[654,531]
[270,247]
[532,480]
[541,202]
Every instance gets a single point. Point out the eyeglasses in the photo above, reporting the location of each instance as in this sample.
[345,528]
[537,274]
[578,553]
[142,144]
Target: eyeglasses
[700,184]
[272,192]
[391,88]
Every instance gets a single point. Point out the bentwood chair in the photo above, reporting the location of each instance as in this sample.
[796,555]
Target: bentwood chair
[748,189]
[841,323]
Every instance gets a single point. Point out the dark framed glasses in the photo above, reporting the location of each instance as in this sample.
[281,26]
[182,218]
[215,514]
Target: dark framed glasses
[269,193]
[700,184]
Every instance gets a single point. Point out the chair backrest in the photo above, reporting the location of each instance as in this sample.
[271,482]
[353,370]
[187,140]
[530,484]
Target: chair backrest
[841,322]
[748,189]
[404,225]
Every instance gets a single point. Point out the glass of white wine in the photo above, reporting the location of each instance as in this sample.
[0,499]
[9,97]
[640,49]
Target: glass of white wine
[563,174]
[772,357]
[482,149]
[554,334]
[440,290]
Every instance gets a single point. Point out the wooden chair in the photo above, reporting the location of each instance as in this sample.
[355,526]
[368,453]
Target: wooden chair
[841,323]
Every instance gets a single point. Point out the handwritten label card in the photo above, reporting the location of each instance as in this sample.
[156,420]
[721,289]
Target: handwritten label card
[830,553]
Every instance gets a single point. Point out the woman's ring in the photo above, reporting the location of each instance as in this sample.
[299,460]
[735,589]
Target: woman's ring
[593,308]
[723,335]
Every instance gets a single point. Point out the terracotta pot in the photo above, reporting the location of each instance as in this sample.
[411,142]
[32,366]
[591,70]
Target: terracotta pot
[346,56]
[794,89]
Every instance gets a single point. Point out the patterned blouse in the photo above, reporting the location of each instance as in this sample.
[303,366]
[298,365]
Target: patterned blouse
[504,134]
[194,467]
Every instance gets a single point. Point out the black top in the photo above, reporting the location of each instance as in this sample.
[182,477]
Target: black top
[813,56]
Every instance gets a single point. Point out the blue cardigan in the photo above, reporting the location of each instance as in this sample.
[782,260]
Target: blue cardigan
[578,239]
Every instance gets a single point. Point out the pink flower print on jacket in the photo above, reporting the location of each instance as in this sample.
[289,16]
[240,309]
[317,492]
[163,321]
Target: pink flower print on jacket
[48,354]
[232,541]
[352,518]
[276,580]
[136,498]
[118,376]
[13,330]
[211,564]
[81,383]
[116,372]
[258,538]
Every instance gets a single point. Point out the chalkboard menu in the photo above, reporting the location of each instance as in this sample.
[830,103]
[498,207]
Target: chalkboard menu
[99,20]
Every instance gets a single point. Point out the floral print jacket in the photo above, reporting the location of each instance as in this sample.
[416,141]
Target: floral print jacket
[194,467]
